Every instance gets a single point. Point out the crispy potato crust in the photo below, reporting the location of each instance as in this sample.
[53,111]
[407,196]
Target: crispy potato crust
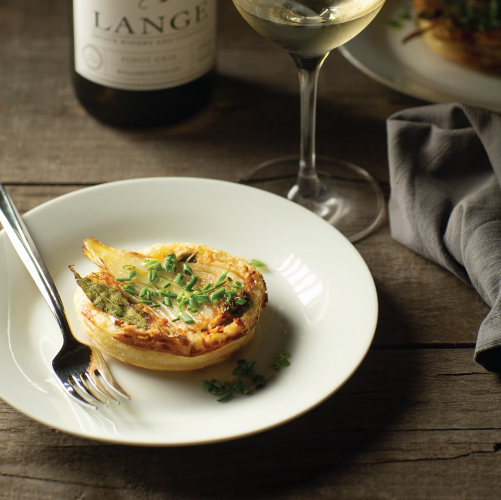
[166,345]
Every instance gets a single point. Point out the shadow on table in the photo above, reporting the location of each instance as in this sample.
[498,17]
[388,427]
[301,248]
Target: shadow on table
[248,123]
[328,447]
[263,114]
[312,450]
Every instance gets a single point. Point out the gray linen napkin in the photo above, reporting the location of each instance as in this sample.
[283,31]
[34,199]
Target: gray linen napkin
[445,202]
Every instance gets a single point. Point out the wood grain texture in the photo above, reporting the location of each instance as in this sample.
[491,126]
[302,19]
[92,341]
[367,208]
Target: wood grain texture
[418,420]
[409,424]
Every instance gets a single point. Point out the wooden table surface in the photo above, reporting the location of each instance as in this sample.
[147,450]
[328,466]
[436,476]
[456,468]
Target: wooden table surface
[418,420]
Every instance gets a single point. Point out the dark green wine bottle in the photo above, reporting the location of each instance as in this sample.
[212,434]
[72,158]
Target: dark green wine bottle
[139,63]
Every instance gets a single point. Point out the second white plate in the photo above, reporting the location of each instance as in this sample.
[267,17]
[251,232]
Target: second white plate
[413,69]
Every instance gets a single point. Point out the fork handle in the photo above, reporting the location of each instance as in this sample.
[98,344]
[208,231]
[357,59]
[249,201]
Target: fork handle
[25,247]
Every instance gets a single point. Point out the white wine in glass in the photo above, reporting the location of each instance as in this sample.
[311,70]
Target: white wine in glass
[342,193]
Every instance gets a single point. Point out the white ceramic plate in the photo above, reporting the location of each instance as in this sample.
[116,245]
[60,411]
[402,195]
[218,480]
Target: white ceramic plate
[322,308]
[413,69]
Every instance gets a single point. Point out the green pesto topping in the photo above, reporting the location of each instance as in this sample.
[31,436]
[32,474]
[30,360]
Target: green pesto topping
[110,301]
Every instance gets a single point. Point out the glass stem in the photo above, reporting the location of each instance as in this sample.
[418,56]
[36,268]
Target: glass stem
[308,183]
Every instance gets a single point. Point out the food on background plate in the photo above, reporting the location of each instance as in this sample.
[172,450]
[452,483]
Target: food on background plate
[176,306]
[466,31]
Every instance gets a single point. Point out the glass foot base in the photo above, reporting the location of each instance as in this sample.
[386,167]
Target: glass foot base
[350,200]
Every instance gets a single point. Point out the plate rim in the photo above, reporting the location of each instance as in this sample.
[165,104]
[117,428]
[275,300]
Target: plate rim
[112,185]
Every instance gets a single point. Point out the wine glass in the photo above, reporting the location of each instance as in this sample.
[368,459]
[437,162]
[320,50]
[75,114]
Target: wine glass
[342,193]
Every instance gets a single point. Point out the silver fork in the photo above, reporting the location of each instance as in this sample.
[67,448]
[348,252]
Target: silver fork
[80,368]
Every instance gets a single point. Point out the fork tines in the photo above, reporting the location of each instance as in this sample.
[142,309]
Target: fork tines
[93,389]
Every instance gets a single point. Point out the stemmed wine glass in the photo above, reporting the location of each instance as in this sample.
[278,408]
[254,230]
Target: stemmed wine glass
[342,193]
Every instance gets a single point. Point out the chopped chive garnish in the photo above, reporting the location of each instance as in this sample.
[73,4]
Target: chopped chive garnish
[244,369]
[218,294]
[259,381]
[257,263]
[132,274]
[152,276]
[118,312]
[191,284]
[169,262]
[221,279]
[191,298]
[394,23]
[225,397]
[239,386]
[187,319]
[193,301]
[281,360]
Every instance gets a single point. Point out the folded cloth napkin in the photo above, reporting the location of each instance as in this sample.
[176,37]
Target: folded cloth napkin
[445,202]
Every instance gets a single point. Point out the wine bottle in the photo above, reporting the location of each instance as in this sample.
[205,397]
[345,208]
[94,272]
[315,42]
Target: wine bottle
[143,63]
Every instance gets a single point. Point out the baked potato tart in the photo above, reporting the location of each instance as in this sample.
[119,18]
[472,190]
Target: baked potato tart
[466,31]
[176,306]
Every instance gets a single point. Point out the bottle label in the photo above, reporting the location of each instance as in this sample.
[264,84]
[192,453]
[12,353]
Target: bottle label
[144,44]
